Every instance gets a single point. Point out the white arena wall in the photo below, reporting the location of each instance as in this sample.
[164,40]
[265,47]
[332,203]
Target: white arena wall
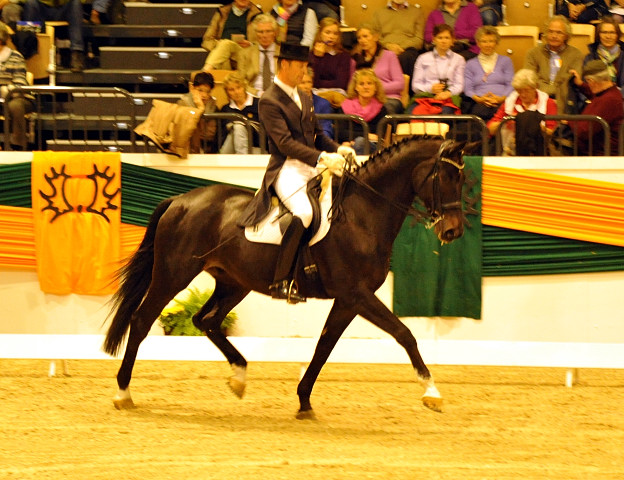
[551,320]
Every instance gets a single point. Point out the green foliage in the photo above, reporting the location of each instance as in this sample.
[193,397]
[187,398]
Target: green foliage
[178,318]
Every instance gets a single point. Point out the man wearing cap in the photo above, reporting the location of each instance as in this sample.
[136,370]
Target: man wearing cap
[606,102]
[299,151]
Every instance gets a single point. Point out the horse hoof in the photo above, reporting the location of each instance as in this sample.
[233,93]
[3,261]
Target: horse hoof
[237,387]
[433,403]
[123,403]
[306,415]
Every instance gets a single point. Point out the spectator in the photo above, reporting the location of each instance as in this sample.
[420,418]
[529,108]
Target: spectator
[332,65]
[526,97]
[13,72]
[366,99]
[581,11]
[99,12]
[439,74]
[487,78]
[491,11]
[199,96]
[242,102]
[320,104]
[400,26]
[606,102]
[296,22]
[61,10]
[371,54]
[464,18]
[609,47]
[258,58]
[553,60]
[616,9]
[232,19]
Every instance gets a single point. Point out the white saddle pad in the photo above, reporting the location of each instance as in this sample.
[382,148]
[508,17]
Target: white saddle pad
[268,230]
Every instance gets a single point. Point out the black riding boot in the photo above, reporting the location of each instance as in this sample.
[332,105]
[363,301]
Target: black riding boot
[284,287]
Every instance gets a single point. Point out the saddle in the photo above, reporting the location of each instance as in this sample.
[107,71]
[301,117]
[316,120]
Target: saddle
[272,227]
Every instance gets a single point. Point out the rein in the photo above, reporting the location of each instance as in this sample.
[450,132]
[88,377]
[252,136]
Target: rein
[439,208]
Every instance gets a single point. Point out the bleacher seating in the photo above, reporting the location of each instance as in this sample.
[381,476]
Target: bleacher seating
[156,50]
[154,53]
[516,41]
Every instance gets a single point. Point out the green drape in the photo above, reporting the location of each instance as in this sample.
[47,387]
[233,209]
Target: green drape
[431,279]
[513,252]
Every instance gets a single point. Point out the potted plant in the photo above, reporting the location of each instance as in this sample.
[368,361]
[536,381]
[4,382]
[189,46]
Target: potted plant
[177,319]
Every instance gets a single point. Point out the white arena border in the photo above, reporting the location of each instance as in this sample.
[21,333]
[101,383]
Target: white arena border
[348,350]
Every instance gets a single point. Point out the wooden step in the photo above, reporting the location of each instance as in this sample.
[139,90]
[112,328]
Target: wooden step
[109,104]
[152,58]
[160,81]
[140,13]
[146,31]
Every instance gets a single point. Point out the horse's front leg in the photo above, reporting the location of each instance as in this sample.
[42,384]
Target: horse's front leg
[373,310]
[209,318]
[337,321]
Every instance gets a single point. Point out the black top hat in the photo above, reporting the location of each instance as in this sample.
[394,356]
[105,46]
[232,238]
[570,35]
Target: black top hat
[294,51]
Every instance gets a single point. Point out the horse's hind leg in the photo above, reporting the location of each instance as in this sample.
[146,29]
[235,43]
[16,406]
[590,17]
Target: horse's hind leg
[337,321]
[159,294]
[209,318]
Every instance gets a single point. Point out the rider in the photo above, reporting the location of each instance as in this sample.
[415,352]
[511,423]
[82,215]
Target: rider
[297,146]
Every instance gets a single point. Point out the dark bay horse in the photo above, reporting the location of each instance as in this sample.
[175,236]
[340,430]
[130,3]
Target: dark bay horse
[198,231]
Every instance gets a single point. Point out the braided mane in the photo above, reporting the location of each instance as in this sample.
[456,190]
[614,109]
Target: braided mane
[379,158]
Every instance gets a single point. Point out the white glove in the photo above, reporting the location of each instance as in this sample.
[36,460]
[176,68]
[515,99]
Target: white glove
[346,151]
[334,162]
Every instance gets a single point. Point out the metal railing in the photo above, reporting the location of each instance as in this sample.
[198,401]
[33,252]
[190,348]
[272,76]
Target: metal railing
[559,143]
[98,118]
[94,118]
[223,119]
[343,122]
[461,127]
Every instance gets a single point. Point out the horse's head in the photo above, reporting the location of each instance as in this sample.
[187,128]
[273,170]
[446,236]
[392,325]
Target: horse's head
[440,187]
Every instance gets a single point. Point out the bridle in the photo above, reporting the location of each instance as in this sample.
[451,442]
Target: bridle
[439,209]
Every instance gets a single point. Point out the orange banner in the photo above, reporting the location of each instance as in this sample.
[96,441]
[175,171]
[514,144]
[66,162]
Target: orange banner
[556,205]
[76,200]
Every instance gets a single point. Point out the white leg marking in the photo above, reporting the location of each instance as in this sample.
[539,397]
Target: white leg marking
[430,389]
[123,394]
[123,400]
[238,381]
[431,398]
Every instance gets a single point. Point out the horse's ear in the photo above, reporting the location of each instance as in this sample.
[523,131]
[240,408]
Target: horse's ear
[472,147]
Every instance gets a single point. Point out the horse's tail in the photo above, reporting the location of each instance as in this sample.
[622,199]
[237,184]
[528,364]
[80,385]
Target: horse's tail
[135,278]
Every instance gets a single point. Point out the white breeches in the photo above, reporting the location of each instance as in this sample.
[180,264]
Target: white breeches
[291,185]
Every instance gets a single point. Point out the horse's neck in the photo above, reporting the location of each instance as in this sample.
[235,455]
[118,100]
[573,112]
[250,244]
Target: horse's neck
[394,179]
[394,190]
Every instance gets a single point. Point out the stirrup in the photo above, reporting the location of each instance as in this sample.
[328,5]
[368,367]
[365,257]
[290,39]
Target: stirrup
[286,290]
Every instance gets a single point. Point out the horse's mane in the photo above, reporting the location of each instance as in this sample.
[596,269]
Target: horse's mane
[380,159]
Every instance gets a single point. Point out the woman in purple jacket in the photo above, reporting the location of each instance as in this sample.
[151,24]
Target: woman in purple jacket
[465,19]
[385,63]
[487,77]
